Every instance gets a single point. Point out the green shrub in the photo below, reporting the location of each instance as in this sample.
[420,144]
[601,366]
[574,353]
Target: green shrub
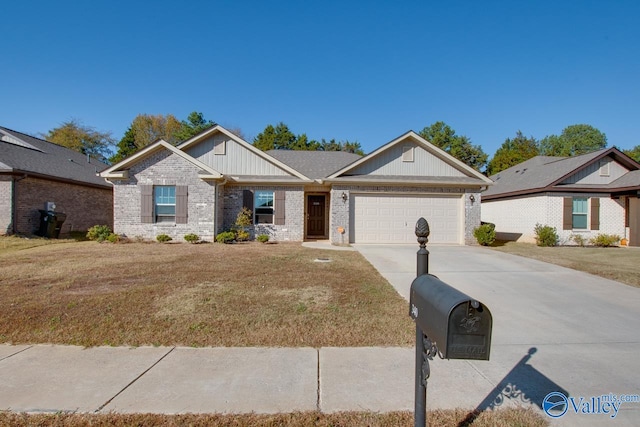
[242,235]
[114,238]
[98,233]
[579,240]
[244,218]
[191,238]
[163,238]
[605,240]
[226,237]
[546,235]
[485,234]
[263,238]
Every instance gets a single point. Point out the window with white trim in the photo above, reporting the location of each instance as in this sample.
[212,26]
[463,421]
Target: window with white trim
[263,207]
[579,216]
[164,206]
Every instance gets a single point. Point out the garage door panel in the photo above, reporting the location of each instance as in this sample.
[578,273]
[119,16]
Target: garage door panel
[392,218]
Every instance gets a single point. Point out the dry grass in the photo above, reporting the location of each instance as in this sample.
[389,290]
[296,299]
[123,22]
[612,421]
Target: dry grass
[620,264]
[449,418]
[89,294]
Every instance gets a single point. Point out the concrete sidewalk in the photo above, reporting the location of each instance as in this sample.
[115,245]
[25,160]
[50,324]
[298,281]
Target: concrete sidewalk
[173,380]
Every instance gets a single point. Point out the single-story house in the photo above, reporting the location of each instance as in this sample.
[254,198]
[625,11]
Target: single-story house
[34,172]
[582,195]
[201,185]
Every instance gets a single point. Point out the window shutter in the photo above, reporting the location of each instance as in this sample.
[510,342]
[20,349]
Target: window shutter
[279,207]
[567,213]
[247,199]
[182,205]
[595,213]
[146,204]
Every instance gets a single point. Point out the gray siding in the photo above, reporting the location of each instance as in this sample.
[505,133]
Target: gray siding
[390,162]
[591,174]
[236,160]
[164,168]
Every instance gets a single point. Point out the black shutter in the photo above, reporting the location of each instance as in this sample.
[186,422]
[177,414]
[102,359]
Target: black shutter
[247,199]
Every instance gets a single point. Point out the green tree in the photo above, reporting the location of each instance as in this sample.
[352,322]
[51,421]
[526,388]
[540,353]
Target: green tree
[512,152]
[634,153]
[275,138]
[195,124]
[573,141]
[148,128]
[352,147]
[126,147]
[84,139]
[443,136]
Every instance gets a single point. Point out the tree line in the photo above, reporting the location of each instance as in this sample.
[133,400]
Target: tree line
[145,129]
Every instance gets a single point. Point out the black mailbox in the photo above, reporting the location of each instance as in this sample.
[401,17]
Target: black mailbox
[459,325]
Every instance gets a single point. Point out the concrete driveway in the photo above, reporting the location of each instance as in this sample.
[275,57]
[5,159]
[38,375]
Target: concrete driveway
[554,329]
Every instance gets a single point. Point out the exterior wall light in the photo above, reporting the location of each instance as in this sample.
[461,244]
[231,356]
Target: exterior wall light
[472,198]
[344,196]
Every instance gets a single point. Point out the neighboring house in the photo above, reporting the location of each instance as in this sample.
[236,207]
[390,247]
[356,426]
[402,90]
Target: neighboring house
[34,172]
[582,195]
[201,185]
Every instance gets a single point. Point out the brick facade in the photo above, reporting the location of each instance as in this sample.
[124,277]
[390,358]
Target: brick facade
[165,168]
[84,206]
[515,219]
[292,230]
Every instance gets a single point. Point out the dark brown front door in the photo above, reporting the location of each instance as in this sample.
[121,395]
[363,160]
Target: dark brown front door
[315,216]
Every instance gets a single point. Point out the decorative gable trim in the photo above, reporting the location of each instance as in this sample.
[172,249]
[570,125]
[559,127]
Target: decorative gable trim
[120,170]
[219,129]
[426,145]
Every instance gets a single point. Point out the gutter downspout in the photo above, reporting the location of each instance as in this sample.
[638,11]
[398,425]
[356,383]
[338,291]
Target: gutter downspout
[14,206]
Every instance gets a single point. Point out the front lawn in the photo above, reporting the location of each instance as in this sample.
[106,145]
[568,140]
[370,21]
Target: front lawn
[251,294]
[620,264]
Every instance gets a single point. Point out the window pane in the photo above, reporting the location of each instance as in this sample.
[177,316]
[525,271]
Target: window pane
[165,210]
[165,195]
[579,221]
[579,205]
[264,207]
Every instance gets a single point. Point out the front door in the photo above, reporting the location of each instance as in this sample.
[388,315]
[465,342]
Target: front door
[315,216]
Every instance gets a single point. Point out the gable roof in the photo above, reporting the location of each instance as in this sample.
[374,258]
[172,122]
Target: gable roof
[120,171]
[468,175]
[315,164]
[24,154]
[546,173]
[219,129]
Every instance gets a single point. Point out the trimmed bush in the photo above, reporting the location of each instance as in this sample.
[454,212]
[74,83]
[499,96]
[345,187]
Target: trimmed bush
[546,235]
[191,238]
[242,235]
[99,233]
[605,240]
[485,234]
[263,238]
[163,238]
[226,237]
[114,238]
[579,240]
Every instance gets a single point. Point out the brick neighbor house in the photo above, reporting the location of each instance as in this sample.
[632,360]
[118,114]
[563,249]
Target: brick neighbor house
[582,195]
[34,172]
[201,185]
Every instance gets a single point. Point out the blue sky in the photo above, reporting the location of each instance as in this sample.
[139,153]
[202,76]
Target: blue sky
[358,71]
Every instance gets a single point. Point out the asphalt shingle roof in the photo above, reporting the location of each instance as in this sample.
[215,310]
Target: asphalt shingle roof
[314,164]
[22,153]
[542,171]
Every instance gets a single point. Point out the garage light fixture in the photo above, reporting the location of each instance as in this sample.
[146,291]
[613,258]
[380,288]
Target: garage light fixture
[472,198]
[344,196]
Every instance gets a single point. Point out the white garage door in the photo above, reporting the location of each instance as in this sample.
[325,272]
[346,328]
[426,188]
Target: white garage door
[392,218]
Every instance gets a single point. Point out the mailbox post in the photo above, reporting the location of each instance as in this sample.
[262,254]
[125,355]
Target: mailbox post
[448,323]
